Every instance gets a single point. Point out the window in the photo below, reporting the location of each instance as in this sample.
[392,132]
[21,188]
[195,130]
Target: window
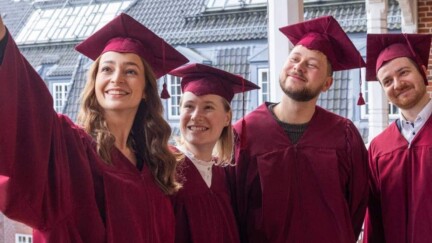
[393,110]
[263,82]
[234,4]
[59,94]
[174,88]
[22,238]
[69,22]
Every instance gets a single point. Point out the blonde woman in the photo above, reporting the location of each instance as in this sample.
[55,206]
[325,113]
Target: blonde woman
[203,206]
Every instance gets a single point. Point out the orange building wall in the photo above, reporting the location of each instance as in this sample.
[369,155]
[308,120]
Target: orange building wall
[425,27]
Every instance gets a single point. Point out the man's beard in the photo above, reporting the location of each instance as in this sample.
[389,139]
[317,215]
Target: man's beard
[302,95]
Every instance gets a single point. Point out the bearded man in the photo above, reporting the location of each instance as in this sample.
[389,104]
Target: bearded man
[301,171]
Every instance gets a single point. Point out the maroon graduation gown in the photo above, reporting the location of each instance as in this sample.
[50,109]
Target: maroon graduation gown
[203,214]
[312,191]
[400,205]
[52,179]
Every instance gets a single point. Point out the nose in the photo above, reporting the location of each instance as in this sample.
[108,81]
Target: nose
[117,77]
[196,115]
[398,84]
[299,66]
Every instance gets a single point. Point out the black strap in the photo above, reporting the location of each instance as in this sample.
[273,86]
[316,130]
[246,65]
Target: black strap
[398,124]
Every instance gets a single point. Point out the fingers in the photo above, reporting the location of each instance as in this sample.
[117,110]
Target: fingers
[2,28]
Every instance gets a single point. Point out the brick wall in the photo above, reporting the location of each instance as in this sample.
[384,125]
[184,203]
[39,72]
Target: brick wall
[425,26]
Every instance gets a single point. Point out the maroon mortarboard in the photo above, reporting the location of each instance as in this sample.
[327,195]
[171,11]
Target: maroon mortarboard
[126,35]
[382,48]
[201,79]
[324,34]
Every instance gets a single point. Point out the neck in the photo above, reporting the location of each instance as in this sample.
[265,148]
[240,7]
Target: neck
[294,112]
[120,127]
[203,153]
[412,113]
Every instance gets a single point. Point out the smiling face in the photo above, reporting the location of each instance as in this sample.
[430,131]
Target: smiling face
[120,82]
[402,82]
[202,119]
[305,74]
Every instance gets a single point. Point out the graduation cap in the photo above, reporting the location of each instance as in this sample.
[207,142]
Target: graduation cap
[382,48]
[201,79]
[324,34]
[126,35]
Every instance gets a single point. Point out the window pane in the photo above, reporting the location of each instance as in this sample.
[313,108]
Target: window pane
[68,22]
[263,83]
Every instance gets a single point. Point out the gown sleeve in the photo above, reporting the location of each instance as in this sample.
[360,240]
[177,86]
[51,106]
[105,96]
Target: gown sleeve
[374,227]
[358,189]
[33,178]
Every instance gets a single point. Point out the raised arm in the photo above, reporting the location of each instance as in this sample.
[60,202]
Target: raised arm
[2,28]
[31,148]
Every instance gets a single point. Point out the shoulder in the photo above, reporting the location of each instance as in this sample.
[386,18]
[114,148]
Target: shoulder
[254,118]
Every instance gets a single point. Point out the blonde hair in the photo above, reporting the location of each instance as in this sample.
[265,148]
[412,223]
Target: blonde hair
[149,134]
[224,147]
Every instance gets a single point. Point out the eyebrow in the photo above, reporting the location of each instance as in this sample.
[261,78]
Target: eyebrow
[309,58]
[401,68]
[124,63]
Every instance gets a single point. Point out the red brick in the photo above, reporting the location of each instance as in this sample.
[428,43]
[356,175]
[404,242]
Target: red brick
[424,31]
[423,9]
[427,19]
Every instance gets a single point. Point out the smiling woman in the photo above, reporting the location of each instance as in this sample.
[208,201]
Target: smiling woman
[107,179]
[203,206]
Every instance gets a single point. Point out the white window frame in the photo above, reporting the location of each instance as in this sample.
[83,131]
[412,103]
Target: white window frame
[70,22]
[174,88]
[59,96]
[23,238]
[234,4]
[261,83]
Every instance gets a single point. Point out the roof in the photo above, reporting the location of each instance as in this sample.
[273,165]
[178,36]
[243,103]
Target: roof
[185,22]
[235,60]
[338,92]
[63,55]
[79,78]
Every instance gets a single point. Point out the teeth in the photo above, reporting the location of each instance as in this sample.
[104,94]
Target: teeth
[195,128]
[116,92]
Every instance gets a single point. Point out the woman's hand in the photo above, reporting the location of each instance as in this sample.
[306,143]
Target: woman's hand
[2,29]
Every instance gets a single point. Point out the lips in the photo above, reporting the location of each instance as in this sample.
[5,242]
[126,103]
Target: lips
[404,92]
[297,76]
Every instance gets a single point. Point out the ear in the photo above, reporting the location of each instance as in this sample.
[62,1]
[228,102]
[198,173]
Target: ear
[227,119]
[424,69]
[328,83]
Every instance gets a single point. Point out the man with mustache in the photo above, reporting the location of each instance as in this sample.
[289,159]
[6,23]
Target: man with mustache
[400,158]
[301,173]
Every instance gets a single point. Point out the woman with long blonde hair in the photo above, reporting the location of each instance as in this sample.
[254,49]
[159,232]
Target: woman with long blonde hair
[108,178]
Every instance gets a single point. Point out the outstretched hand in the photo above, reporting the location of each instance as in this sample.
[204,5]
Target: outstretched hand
[2,28]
